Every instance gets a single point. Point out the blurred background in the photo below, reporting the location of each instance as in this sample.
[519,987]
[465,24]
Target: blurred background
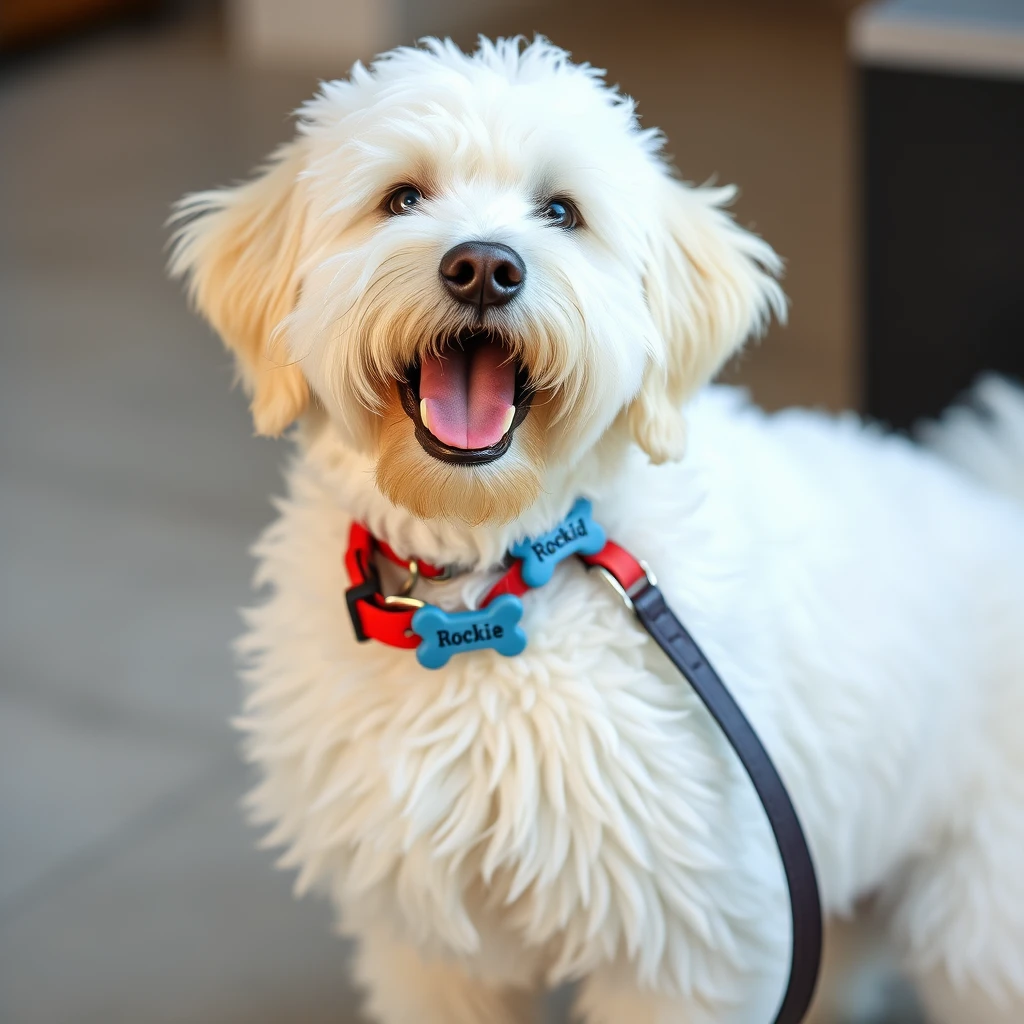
[879,147]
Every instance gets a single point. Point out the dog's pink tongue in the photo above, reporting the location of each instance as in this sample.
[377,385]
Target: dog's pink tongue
[468,394]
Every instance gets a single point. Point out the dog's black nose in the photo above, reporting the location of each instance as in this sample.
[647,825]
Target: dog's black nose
[483,273]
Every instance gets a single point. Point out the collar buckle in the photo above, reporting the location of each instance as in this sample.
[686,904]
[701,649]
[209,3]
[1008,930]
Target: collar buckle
[368,591]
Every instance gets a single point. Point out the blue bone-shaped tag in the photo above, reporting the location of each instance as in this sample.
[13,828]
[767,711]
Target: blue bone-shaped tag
[447,633]
[576,534]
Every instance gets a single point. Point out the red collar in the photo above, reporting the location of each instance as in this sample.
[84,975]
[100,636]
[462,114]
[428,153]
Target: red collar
[415,566]
[388,618]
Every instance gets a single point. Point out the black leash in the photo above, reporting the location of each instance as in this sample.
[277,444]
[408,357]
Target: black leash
[805,905]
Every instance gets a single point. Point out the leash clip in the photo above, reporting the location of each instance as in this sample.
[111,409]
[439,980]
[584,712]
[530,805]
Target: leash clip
[634,589]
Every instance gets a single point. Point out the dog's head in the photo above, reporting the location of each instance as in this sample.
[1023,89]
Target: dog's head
[477,265]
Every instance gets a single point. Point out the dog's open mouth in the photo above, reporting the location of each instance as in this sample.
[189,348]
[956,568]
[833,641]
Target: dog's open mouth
[466,398]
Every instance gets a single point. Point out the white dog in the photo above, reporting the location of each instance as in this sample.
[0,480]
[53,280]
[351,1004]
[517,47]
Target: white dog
[475,284]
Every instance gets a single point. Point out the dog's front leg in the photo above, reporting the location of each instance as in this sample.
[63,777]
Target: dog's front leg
[404,988]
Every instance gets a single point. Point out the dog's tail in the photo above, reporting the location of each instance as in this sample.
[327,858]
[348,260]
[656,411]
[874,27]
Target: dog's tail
[984,435]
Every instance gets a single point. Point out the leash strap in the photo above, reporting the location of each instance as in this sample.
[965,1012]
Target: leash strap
[640,592]
[389,620]
[805,904]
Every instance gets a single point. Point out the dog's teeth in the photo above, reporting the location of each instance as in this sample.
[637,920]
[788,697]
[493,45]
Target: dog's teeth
[509,417]
[423,413]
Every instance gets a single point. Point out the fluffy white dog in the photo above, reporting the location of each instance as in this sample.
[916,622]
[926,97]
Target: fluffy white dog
[475,284]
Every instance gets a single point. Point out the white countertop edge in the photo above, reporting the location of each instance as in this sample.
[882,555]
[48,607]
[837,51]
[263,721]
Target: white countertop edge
[937,44]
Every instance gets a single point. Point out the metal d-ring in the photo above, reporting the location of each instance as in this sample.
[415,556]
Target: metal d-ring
[415,576]
[403,598]
[403,601]
[410,582]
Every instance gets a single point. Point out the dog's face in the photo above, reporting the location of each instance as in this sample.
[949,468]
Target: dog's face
[478,265]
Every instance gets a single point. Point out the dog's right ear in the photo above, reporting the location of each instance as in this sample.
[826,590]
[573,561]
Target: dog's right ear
[239,248]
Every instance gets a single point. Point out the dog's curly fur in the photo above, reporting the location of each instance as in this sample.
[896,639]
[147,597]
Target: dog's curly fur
[573,813]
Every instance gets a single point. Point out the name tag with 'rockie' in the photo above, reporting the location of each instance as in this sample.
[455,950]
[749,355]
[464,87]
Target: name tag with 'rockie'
[447,633]
[576,534]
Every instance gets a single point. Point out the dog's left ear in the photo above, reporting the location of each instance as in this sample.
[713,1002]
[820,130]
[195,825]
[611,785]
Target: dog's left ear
[710,285]
[239,249]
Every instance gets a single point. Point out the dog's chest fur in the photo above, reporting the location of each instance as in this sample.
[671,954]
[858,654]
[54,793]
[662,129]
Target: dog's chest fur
[571,797]
[576,799]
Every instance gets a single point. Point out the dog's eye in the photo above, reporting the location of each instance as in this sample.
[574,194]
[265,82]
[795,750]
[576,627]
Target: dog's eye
[403,199]
[561,213]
